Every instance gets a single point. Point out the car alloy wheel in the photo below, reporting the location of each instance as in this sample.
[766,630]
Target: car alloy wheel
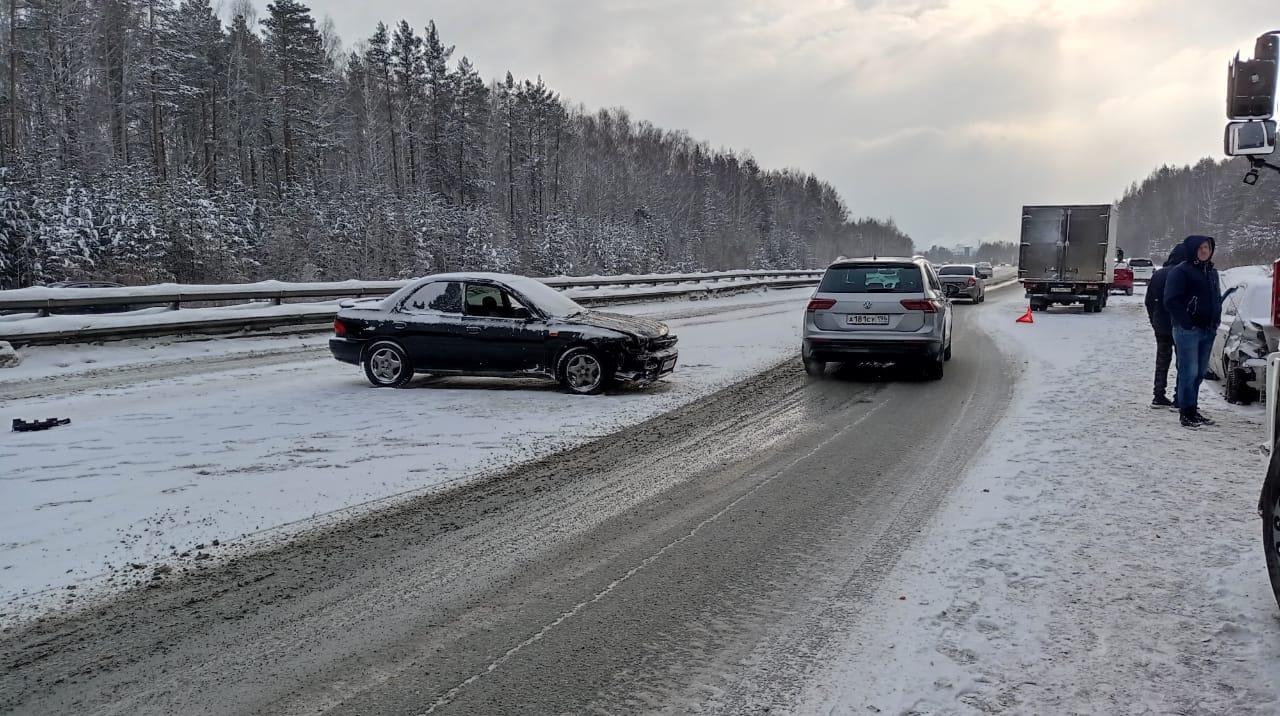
[584,373]
[386,365]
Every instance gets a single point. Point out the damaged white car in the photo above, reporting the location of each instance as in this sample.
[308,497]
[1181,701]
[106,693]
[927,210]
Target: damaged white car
[1246,335]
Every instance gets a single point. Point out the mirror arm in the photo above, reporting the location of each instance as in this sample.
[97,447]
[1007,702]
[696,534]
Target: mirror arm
[1256,162]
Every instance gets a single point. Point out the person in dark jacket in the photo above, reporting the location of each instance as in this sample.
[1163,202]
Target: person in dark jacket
[1193,300]
[1162,326]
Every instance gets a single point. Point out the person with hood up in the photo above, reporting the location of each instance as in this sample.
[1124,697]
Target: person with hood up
[1194,303]
[1162,326]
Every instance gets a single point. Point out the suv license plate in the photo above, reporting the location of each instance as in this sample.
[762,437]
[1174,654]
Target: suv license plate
[859,319]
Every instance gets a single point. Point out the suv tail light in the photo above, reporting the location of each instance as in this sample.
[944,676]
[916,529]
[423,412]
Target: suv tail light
[820,304]
[339,328]
[920,304]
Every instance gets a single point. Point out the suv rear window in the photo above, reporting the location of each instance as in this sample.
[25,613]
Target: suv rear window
[872,279]
[956,271]
[1141,262]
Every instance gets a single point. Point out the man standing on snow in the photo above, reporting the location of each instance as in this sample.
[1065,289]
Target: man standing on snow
[1162,326]
[1193,301]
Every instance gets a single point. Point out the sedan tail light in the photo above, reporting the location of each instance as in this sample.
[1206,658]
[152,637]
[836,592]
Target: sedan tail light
[339,328]
[920,304]
[973,282]
[820,304]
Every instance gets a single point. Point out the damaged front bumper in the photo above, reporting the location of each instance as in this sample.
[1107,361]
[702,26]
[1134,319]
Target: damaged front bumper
[647,367]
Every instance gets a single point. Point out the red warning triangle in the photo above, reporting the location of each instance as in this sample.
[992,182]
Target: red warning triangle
[1027,317]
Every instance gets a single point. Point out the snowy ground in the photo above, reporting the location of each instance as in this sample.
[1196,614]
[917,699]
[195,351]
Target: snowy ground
[1097,559]
[152,469]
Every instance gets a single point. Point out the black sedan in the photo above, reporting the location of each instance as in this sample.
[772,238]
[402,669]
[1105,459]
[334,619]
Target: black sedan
[499,325]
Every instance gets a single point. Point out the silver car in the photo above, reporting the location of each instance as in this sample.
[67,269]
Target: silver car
[963,281]
[890,310]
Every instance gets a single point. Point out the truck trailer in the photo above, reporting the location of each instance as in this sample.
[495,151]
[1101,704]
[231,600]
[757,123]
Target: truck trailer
[1065,255]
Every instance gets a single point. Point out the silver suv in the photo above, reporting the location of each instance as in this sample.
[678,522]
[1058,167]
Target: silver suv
[878,310]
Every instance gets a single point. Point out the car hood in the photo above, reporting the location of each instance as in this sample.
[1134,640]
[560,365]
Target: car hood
[643,327]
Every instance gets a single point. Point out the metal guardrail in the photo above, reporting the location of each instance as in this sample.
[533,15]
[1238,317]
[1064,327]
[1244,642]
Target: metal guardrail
[313,317]
[43,300]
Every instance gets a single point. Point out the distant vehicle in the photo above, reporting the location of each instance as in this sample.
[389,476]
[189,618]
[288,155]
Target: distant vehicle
[878,310]
[1122,280]
[1245,337]
[499,325]
[1143,269]
[1065,255]
[963,281]
[985,270]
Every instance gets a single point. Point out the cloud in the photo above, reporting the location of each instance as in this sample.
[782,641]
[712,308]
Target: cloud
[945,114]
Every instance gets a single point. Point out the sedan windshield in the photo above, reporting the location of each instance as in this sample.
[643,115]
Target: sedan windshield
[544,298]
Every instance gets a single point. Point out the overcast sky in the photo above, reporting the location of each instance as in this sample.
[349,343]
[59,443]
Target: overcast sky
[945,114]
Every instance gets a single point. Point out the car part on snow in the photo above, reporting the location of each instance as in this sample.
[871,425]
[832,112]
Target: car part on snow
[27,426]
[9,357]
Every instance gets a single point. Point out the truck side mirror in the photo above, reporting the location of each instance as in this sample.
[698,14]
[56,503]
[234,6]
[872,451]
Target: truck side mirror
[1252,138]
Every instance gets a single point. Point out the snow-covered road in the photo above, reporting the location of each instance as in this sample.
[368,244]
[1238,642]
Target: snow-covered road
[1097,559]
[165,454]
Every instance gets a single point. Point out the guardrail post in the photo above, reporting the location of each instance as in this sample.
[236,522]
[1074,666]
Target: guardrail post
[173,305]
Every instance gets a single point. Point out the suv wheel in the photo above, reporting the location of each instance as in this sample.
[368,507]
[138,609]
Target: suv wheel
[386,365]
[582,371]
[814,368]
[933,368]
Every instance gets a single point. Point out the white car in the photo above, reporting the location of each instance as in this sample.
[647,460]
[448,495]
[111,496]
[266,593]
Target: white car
[1245,335]
[1143,269]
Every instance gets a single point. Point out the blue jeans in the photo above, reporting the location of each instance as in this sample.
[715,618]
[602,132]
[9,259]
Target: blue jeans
[1193,346]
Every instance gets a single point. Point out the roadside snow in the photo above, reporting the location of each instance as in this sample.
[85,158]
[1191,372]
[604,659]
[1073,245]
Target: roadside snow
[29,324]
[1097,559]
[151,469]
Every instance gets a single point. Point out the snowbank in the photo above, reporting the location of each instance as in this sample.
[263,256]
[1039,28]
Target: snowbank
[1097,559]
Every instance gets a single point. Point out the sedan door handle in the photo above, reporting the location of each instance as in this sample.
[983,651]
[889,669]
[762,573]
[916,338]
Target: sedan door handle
[398,326]
[473,329]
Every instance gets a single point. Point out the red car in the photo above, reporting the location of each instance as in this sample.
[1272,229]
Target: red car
[1123,281]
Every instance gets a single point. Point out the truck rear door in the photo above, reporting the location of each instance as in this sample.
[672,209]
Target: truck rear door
[1043,230]
[1086,252]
